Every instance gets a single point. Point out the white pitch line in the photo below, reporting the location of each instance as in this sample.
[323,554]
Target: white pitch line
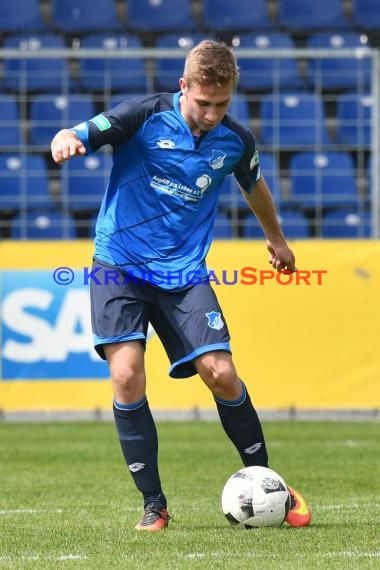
[71,557]
[339,554]
[343,506]
[28,511]
[18,511]
[350,443]
[353,554]
[34,557]
[199,555]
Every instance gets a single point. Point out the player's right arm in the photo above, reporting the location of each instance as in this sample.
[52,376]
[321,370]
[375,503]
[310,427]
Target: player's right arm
[66,144]
[113,127]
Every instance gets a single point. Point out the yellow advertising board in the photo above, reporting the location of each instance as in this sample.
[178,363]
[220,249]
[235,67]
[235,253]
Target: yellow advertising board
[308,340]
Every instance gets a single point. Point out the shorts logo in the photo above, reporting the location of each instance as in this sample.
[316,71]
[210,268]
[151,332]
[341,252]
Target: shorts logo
[215,320]
[217,159]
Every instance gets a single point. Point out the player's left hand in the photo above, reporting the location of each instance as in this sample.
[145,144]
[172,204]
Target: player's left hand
[281,257]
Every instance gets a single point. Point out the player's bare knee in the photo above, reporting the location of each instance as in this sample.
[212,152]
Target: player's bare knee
[218,374]
[128,382]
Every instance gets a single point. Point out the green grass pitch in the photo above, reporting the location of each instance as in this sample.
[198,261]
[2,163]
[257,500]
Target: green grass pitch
[67,500]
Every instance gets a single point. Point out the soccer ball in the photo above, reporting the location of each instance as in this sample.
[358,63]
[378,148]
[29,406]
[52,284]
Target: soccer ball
[255,497]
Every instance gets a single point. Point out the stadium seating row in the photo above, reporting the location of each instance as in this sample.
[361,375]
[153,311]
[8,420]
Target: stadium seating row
[345,223]
[319,193]
[25,183]
[277,118]
[317,181]
[82,16]
[135,74]
[342,223]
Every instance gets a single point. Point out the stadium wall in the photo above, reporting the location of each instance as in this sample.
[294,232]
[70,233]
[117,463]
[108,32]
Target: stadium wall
[309,342]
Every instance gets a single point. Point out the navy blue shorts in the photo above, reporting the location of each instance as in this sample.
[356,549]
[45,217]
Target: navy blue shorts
[189,322]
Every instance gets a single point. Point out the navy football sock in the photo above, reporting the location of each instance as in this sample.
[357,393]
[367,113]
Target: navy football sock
[242,425]
[138,439]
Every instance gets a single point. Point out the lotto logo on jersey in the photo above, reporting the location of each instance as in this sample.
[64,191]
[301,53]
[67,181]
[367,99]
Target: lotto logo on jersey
[166,143]
[46,328]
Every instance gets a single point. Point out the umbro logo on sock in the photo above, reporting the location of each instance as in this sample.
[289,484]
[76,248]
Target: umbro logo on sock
[136,467]
[253,449]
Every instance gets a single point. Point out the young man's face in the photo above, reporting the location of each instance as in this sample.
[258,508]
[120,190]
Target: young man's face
[204,106]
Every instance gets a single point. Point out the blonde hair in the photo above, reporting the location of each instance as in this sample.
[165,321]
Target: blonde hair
[211,63]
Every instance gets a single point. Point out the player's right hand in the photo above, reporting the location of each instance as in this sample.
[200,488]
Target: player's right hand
[65,145]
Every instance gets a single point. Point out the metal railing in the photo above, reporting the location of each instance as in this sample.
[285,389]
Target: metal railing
[363,152]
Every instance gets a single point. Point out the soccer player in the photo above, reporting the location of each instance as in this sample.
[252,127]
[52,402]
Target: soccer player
[171,153]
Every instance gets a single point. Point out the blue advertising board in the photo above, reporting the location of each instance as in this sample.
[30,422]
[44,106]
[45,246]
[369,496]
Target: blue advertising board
[46,327]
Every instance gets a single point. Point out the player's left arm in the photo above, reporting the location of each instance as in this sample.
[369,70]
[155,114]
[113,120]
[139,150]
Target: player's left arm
[259,198]
[261,203]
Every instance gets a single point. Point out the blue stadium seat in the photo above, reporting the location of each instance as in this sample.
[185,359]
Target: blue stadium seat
[323,180]
[268,73]
[20,15]
[92,225]
[169,70]
[160,16]
[354,118]
[23,182]
[223,227]
[366,14]
[84,181]
[292,120]
[114,100]
[311,15]
[339,73]
[127,74]
[270,170]
[368,180]
[239,108]
[251,228]
[294,224]
[43,224]
[50,113]
[45,74]
[230,196]
[346,223]
[236,16]
[11,134]
[84,16]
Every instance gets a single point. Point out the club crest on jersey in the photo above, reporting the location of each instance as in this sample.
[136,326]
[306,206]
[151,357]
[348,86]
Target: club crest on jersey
[215,320]
[166,143]
[217,159]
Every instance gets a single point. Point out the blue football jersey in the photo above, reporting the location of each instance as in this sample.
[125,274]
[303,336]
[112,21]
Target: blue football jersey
[158,211]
